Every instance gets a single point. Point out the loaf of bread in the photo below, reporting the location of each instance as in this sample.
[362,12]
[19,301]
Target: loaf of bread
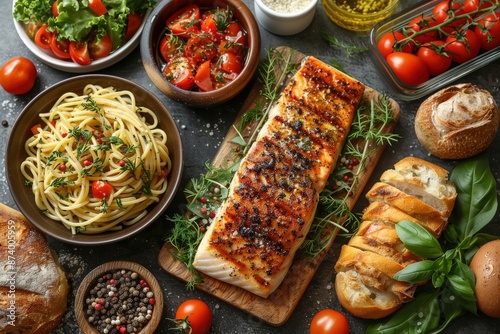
[33,286]
[415,190]
[457,122]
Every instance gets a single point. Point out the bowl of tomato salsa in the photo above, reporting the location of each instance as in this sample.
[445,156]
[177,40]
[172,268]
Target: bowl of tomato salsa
[201,52]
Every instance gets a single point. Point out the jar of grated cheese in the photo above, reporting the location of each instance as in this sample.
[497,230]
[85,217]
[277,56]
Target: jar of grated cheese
[285,17]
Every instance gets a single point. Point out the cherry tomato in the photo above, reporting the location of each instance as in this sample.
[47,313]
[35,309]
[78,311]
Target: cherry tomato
[100,49]
[443,11]
[60,47]
[473,5]
[235,33]
[230,63]
[101,189]
[387,44]
[488,31]
[97,7]
[200,47]
[180,72]
[18,75]
[79,53]
[203,79]
[434,57]
[463,46]
[43,37]
[410,69]
[32,28]
[194,316]
[329,321]
[55,9]
[421,23]
[134,22]
[184,21]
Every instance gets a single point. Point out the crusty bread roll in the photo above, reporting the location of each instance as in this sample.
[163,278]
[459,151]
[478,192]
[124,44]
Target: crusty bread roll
[457,122]
[33,287]
[420,192]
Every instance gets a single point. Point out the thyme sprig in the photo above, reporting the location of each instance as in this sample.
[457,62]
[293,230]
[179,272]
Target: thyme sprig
[348,48]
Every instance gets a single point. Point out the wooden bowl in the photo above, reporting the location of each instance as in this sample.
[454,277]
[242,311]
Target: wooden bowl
[91,279]
[153,62]
[16,154]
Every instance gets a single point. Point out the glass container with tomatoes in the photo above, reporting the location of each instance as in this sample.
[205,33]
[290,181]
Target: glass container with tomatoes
[435,43]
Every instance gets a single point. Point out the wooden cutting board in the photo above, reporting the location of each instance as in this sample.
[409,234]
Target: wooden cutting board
[278,307]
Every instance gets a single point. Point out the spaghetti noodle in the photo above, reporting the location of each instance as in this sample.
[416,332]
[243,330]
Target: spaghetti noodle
[101,135]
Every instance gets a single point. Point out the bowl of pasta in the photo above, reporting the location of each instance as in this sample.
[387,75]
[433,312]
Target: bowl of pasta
[94,159]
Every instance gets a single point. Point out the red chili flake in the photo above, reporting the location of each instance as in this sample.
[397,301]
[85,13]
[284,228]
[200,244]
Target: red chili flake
[122,163]
[99,140]
[346,178]
[203,211]
[350,167]
[62,168]
[152,301]
[101,135]
[355,161]
[87,162]
[64,134]
[212,214]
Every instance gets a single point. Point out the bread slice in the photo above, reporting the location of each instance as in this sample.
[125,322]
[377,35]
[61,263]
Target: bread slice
[382,239]
[425,181]
[365,285]
[388,214]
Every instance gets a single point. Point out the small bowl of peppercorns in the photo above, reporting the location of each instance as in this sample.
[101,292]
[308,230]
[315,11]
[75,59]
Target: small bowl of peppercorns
[119,297]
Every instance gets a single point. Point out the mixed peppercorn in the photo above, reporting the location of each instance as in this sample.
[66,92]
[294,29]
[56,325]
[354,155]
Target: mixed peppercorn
[120,302]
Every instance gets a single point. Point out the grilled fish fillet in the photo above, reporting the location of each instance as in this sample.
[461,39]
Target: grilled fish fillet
[273,196]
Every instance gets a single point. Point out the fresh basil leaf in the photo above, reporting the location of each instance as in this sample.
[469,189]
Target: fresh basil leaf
[438,279]
[418,240]
[416,272]
[476,203]
[420,316]
[465,292]
[450,309]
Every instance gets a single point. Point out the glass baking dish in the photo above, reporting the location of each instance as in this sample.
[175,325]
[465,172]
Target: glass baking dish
[406,92]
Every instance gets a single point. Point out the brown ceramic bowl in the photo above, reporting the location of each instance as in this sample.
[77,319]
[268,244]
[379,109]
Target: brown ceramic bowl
[153,62]
[91,280]
[15,155]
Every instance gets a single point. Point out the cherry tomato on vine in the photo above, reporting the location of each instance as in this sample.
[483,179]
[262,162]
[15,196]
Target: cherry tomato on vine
[473,5]
[421,23]
[462,46]
[434,57]
[18,75]
[101,189]
[180,72]
[329,321]
[488,31]
[43,37]
[194,316]
[183,22]
[79,53]
[410,69]
[443,11]
[387,44]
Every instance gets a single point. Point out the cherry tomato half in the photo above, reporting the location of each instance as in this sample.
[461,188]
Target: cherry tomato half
[462,46]
[180,72]
[101,189]
[203,78]
[434,57]
[488,31]
[194,314]
[43,38]
[79,53]
[200,48]
[329,321]
[97,7]
[60,47]
[55,9]
[134,22]
[100,49]
[410,69]
[387,44]
[183,22]
[18,75]
[170,46]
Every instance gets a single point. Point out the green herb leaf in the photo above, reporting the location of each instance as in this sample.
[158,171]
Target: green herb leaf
[418,240]
[477,204]
[416,272]
[420,316]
